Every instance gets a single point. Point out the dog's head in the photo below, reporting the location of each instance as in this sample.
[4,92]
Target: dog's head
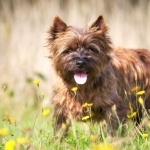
[79,54]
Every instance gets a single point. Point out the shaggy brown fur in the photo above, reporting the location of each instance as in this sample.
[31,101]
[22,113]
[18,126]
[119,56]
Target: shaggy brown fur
[111,74]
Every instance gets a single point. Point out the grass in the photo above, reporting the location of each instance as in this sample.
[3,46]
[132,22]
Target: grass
[25,126]
[38,132]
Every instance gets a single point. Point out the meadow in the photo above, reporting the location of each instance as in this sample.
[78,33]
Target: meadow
[26,75]
[28,126]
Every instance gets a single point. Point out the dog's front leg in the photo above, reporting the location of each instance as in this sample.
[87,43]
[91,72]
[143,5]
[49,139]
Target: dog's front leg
[61,124]
[115,121]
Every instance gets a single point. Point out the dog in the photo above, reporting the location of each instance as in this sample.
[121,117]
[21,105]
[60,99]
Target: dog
[96,80]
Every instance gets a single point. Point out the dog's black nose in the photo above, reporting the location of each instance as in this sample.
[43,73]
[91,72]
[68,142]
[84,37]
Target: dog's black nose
[80,63]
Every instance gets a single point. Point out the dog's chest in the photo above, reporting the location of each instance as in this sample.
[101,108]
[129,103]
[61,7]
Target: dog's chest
[87,106]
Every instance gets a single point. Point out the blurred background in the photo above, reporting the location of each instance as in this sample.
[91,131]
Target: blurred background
[23,32]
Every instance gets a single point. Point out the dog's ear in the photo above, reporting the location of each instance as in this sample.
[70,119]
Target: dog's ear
[57,27]
[99,24]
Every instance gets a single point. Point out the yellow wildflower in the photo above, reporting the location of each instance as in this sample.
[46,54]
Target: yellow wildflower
[63,125]
[104,146]
[46,112]
[132,115]
[10,145]
[144,135]
[22,141]
[140,100]
[135,89]
[85,118]
[87,105]
[140,93]
[12,120]
[36,82]
[84,105]
[74,89]
[4,131]
[94,138]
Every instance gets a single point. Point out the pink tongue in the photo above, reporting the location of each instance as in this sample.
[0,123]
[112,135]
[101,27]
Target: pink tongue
[80,78]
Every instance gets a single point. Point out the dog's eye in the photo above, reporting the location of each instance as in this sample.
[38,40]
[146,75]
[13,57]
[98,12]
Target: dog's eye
[94,50]
[67,51]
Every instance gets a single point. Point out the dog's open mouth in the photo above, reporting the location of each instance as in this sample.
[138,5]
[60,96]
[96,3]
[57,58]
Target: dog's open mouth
[80,77]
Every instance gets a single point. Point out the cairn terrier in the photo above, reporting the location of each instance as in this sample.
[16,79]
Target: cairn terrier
[92,73]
